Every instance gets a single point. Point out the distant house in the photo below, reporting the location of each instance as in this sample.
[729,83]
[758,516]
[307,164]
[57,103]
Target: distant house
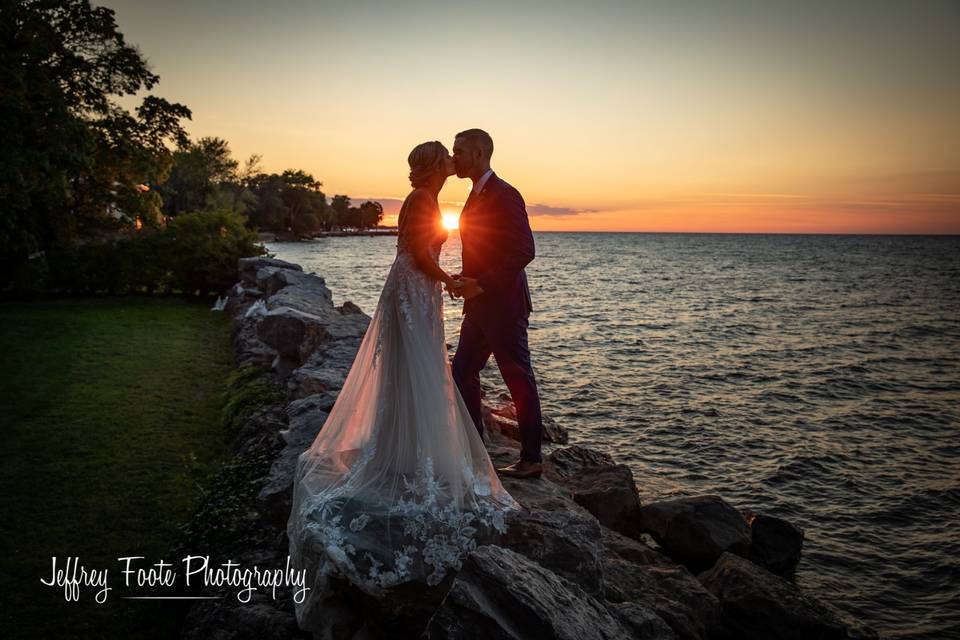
[119,214]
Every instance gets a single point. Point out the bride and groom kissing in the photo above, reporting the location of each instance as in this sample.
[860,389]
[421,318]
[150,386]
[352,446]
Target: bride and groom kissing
[398,485]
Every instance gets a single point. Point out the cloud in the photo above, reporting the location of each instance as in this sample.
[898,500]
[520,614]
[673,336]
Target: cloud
[547,210]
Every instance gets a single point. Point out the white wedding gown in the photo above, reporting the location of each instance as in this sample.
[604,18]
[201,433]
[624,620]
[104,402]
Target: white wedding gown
[397,486]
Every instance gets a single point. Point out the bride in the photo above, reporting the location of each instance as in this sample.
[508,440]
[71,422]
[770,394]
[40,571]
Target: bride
[398,485]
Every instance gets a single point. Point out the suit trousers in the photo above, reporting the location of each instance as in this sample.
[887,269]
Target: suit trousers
[507,341]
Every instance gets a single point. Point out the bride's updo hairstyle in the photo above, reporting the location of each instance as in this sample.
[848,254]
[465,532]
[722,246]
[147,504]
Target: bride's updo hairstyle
[425,160]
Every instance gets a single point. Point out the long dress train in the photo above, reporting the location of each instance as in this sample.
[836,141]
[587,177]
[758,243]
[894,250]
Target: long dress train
[397,486]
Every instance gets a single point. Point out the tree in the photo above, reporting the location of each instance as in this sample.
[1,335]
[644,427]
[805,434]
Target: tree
[291,201]
[70,154]
[371,214]
[203,173]
[340,205]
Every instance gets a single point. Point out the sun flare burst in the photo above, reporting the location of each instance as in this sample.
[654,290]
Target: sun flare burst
[450,220]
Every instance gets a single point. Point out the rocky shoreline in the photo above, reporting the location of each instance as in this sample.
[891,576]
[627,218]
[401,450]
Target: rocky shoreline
[585,559]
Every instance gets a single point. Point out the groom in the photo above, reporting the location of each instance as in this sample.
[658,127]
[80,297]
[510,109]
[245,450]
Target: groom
[497,244]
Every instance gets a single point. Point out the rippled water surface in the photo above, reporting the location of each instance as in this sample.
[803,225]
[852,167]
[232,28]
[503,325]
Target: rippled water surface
[815,378]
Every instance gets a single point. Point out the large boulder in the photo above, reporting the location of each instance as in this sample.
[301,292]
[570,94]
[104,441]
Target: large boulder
[555,532]
[569,461]
[499,594]
[759,604]
[605,489]
[248,268]
[303,291]
[633,573]
[777,543]
[325,370]
[696,530]
[294,334]
[610,494]
[250,349]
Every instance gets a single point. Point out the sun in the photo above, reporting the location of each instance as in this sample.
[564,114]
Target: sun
[451,220]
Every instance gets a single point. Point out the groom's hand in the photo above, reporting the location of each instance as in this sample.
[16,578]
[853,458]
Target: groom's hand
[469,288]
[454,288]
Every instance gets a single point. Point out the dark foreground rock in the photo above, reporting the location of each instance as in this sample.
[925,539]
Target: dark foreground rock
[499,594]
[695,531]
[757,604]
[635,573]
[776,544]
[555,532]
[607,491]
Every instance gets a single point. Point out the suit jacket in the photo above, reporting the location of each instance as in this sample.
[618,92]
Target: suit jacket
[497,244]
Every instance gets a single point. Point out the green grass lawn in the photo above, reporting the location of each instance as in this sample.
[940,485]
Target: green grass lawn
[111,421]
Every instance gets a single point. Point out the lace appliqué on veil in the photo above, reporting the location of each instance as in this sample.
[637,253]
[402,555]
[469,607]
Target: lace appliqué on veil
[414,292]
[440,532]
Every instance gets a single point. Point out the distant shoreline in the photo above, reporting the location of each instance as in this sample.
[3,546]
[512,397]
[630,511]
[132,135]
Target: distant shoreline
[272,236]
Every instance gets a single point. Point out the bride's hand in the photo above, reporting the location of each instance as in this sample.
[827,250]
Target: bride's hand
[452,285]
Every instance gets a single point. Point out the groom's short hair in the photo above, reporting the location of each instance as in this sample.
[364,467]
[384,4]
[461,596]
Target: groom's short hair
[480,138]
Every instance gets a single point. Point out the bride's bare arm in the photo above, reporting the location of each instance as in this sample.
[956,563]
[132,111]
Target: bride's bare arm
[423,230]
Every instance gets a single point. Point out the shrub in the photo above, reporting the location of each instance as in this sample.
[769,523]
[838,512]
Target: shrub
[195,253]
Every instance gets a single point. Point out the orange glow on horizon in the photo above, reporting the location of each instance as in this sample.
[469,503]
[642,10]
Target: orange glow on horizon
[745,213]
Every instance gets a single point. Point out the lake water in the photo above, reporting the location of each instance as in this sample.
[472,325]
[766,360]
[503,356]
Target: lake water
[810,377]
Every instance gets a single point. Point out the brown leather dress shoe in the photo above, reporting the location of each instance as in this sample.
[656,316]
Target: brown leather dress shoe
[522,469]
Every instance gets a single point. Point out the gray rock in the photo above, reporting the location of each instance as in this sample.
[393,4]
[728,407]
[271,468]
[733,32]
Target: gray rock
[276,497]
[239,296]
[759,604]
[249,348]
[294,334]
[777,543]
[272,279]
[695,531]
[499,594]
[610,494]
[325,371]
[569,461]
[248,267]
[555,532]
[349,308]
[641,621]
[635,573]
[316,402]
[306,293]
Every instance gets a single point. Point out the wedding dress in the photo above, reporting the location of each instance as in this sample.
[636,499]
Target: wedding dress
[397,486]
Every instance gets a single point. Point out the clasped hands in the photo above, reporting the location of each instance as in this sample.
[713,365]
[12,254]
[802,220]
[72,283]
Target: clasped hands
[462,287]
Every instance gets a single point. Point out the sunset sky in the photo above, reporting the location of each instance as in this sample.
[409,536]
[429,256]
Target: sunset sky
[618,116]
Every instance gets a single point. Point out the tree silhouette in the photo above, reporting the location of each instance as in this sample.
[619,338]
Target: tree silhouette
[371,214]
[70,154]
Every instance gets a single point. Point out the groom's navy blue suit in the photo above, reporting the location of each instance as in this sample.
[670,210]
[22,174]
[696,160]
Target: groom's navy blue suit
[497,245]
